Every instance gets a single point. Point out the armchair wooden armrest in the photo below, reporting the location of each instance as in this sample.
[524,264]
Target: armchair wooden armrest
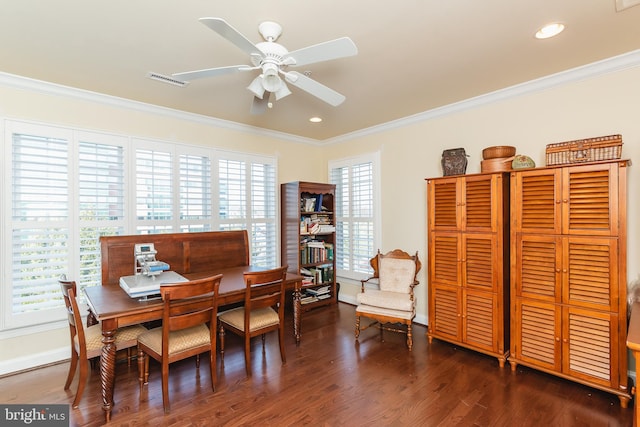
[367,280]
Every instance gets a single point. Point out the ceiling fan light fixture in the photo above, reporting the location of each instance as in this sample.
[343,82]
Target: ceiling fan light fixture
[256,87]
[282,92]
[271,81]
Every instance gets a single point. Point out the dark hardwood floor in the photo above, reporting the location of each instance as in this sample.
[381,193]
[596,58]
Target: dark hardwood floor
[330,381]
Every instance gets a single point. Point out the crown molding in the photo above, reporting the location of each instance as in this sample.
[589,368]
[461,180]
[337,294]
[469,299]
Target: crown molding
[47,88]
[596,69]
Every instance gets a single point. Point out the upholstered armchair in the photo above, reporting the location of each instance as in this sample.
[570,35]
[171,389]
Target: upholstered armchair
[392,304]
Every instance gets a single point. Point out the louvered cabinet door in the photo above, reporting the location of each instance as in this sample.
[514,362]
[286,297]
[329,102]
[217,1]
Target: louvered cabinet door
[481,320]
[536,201]
[481,267]
[444,258]
[443,199]
[590,273]
[589,347]
[590,202]
[481,201]
[537,268]
[536,334]
[445,320]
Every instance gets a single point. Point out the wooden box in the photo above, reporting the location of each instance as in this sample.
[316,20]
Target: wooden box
[585,150]
[499,164]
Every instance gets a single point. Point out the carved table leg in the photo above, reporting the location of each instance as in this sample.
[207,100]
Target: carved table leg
[108,366]
[297,311]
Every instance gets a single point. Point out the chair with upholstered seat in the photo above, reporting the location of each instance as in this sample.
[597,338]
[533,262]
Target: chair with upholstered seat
[184,332]
[86,343]
[393,303]
[263,311]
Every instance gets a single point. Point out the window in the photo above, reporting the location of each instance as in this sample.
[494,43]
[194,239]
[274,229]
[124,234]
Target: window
[63,189]
[247,190]
[357,213]
[39,221]
[101,200]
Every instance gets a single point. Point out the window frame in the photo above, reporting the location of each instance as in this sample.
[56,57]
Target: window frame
[376,238]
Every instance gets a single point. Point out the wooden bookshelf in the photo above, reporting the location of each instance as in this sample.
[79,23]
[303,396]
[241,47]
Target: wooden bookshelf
[309,239]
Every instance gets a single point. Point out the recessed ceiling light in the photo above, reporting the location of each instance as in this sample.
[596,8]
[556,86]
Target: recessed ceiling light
[315,119]
[550,30]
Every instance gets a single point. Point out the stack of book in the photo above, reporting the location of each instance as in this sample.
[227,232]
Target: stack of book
[322,292]
[315,294]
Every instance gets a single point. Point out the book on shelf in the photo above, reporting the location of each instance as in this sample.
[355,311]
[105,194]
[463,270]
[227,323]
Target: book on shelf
[308,299]
[322,274]
[315,244]
[326,228]
[312,251]
[319,291]
[308,204]
[318,206]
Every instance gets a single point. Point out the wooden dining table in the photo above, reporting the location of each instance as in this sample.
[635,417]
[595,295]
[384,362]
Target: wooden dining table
[114,308]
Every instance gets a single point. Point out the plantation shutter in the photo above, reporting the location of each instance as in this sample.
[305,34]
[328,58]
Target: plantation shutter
[154,191]
[264,242]
[247,190]
[101,201]
[40,221]
[355,216]
[195,193]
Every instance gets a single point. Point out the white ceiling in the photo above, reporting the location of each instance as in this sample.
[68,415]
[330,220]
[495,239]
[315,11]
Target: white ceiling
[413,55]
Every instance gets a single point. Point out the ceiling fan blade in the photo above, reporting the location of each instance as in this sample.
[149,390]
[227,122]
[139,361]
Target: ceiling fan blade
[221,27]
[333,49]
[314,88]
[211,72]
[259,106]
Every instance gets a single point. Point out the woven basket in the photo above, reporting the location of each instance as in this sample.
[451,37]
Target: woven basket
[498,151]
[496,165]
[585,150]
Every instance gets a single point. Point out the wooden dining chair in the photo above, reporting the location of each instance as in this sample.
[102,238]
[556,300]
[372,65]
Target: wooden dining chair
[263,311]
[86,343]
[184,332]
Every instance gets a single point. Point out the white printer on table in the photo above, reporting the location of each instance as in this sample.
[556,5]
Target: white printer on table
[149,273]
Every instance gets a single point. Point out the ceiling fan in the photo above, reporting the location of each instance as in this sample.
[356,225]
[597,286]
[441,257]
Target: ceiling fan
[273,61]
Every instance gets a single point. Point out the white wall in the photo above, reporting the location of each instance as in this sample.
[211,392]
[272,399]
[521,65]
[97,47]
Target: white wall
[602,105]
[410,152]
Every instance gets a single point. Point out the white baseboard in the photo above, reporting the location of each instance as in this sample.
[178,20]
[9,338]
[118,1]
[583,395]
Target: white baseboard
[33,361]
